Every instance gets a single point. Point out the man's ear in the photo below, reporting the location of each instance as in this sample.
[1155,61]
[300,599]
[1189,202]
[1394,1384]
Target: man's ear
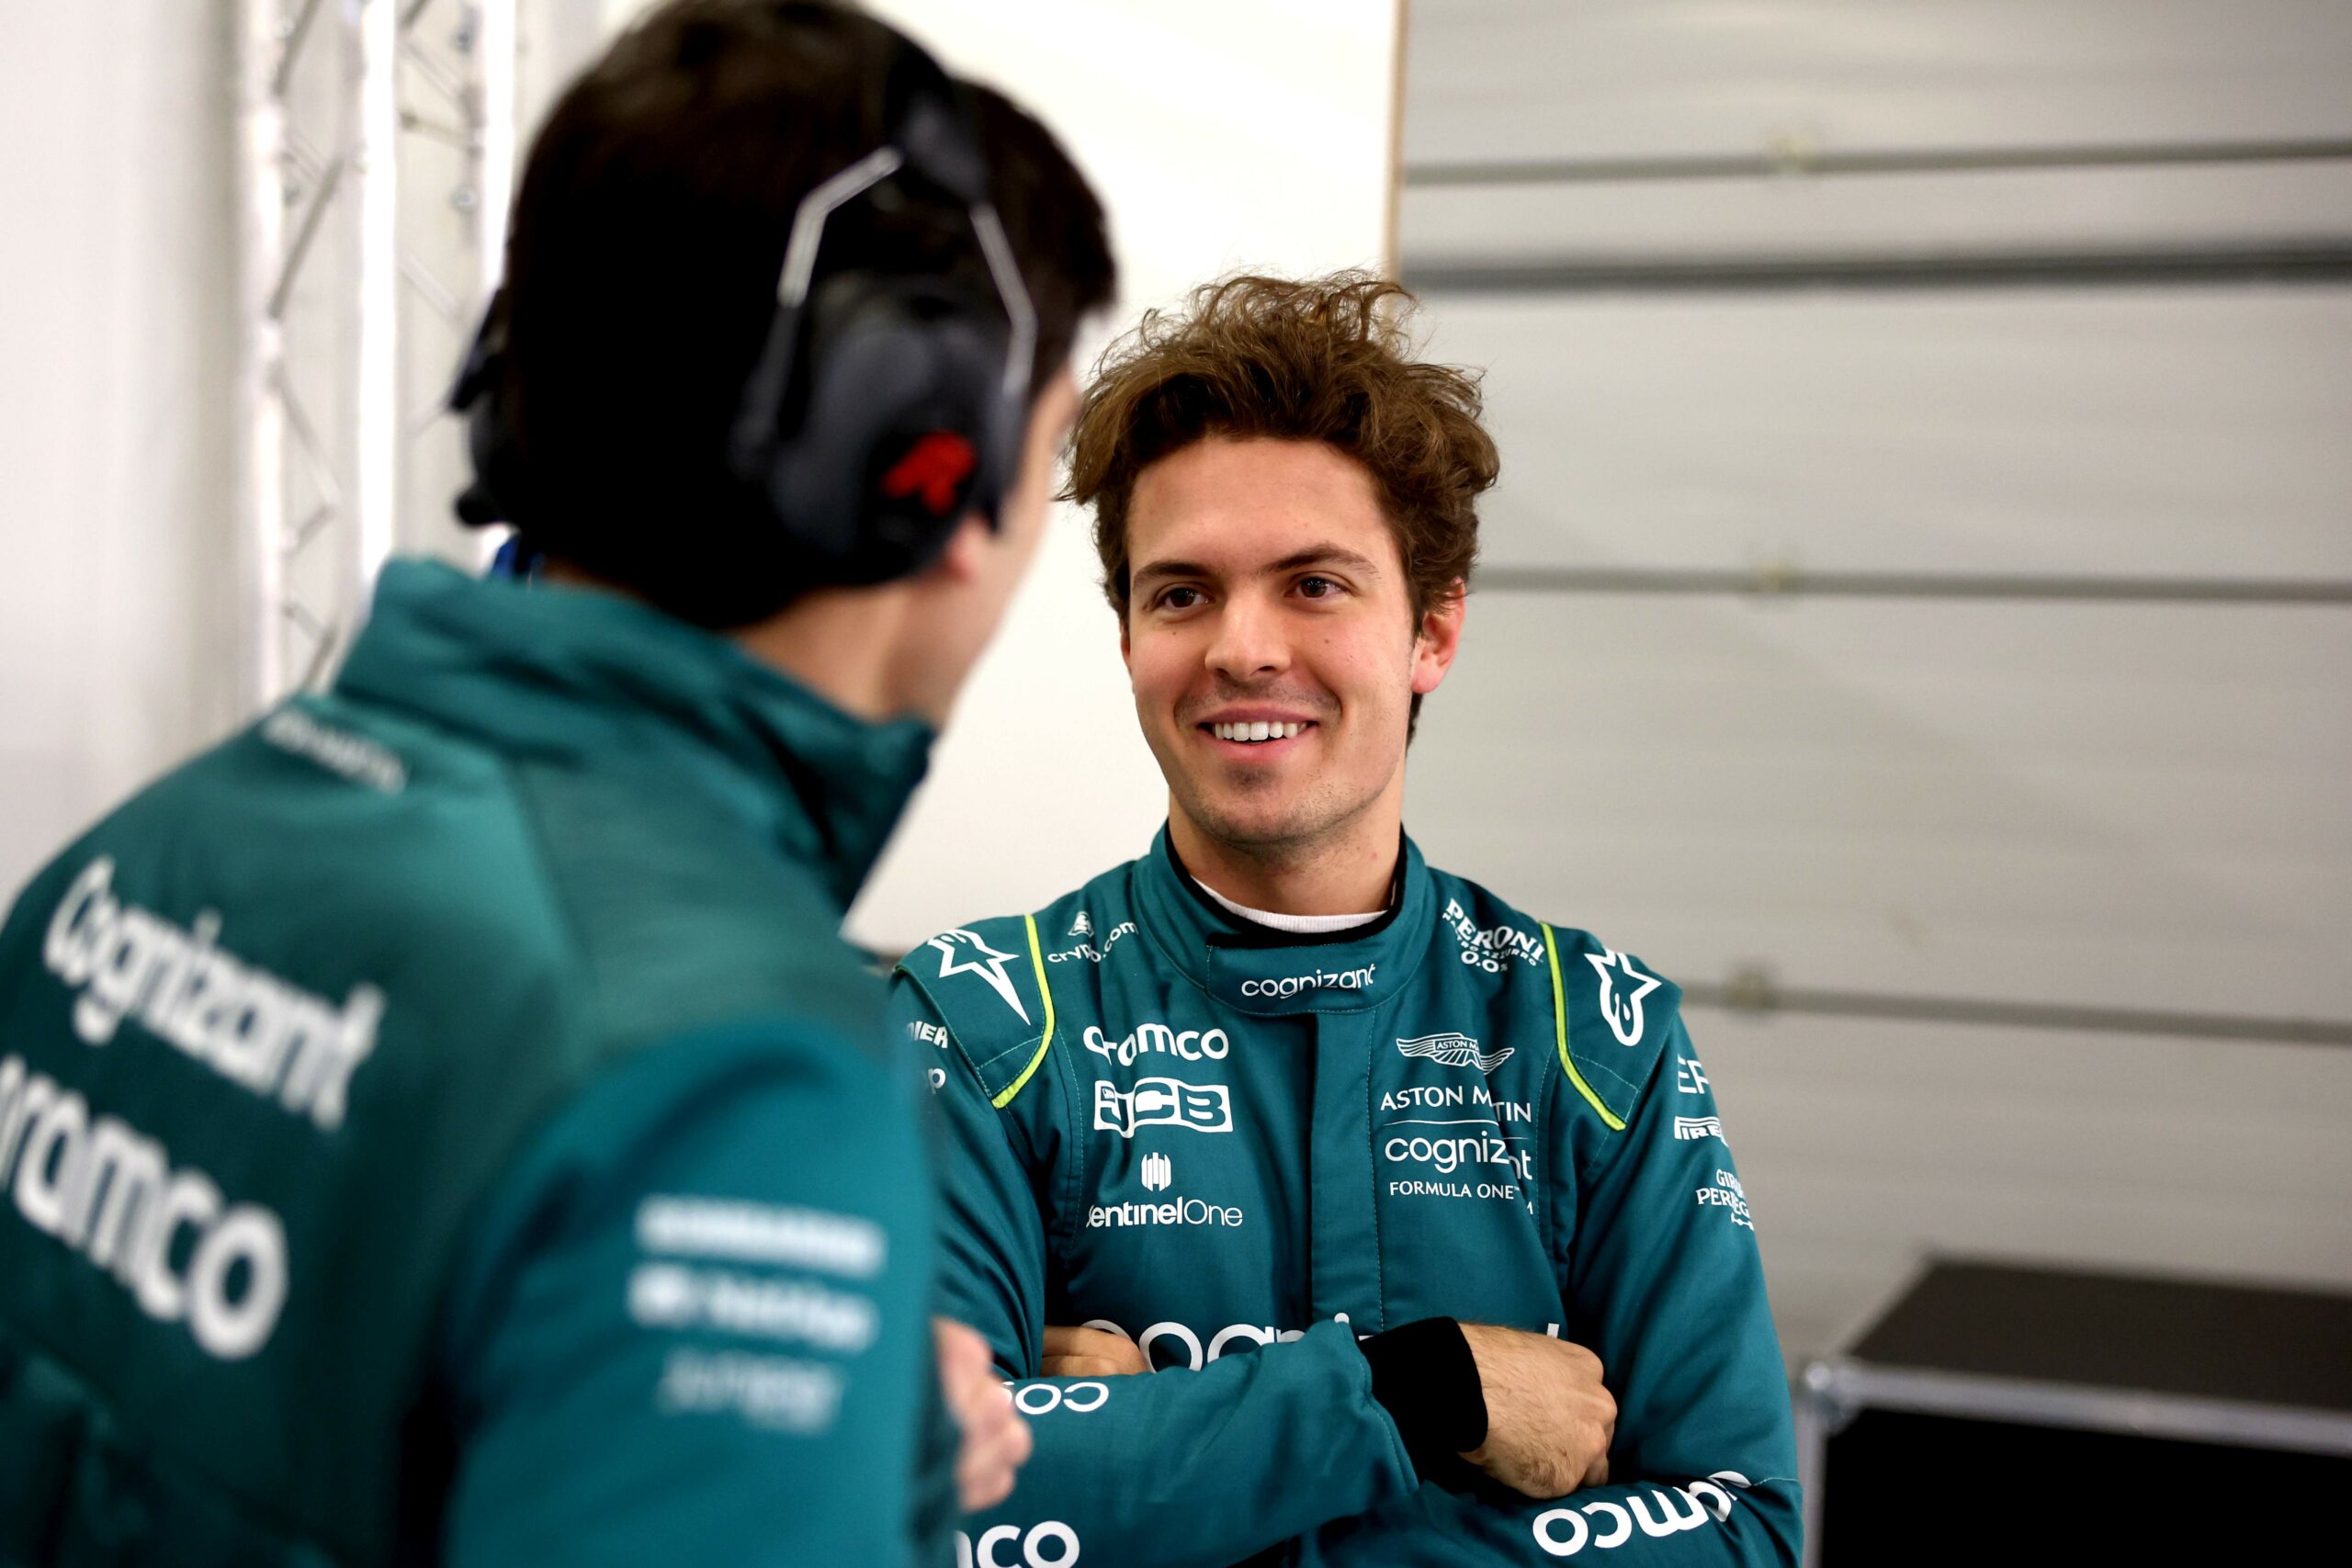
[966,549]
[1126,646]
[1439,639]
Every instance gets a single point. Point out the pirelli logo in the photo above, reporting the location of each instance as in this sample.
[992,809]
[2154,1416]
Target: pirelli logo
[1698,1127]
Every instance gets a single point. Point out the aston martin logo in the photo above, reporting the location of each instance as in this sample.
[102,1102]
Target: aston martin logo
[1454,1051]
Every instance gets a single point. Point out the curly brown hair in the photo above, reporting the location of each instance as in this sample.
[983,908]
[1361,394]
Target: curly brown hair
[1315,359]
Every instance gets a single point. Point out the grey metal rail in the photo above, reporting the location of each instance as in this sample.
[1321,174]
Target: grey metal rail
[1755,992]
[2325,259]
[1792,157]
[1788,581]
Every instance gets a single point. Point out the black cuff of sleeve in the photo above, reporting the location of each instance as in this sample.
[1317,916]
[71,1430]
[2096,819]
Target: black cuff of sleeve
[1425,1377]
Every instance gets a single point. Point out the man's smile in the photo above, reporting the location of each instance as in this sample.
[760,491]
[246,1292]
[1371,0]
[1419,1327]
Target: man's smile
[1260,734]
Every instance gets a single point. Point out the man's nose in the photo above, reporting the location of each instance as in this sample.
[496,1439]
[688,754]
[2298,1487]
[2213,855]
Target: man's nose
[1250,642]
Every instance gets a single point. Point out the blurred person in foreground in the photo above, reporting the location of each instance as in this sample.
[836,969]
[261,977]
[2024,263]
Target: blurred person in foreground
[441,1124]
[1416,1209]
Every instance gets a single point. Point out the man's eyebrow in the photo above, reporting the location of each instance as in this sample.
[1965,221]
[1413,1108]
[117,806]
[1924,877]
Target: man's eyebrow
[1168,568]
[1327,555]
[1314,555]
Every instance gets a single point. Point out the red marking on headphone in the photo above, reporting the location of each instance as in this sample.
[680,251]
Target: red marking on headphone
[934,470]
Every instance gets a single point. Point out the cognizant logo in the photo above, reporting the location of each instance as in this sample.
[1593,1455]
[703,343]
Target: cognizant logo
[1447,1154]
[1290,985]
[1046,1544]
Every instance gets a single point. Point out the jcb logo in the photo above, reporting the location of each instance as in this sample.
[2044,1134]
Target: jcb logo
[1163,1103]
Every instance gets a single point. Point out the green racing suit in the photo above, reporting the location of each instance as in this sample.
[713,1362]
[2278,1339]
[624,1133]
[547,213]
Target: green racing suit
[442,1124]
[1215,1138]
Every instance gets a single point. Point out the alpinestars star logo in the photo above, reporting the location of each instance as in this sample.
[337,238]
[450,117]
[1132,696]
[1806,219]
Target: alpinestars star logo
[962,951]
[1454,1051]
[1622,1008]
[1082,926]
[1158,1172]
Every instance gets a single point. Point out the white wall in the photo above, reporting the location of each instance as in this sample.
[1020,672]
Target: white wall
[1209,158]
[2129,804]
[120,621]
[118,575]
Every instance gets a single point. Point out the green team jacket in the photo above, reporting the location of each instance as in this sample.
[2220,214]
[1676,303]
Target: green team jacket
[440,1123]
[1216,1139]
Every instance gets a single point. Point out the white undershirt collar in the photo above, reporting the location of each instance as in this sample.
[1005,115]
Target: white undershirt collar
[1305,924]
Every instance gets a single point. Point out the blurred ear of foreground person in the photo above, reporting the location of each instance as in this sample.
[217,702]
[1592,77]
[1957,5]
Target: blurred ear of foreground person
[441,1124]
[1416,1208]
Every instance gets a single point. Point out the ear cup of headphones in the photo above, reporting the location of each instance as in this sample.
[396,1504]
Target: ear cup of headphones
[480,396]
[899,429]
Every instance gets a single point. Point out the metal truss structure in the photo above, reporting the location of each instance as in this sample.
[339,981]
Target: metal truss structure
[376,157]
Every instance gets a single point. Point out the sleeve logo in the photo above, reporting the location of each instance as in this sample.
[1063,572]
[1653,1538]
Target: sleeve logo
[963,952]
[1163,1103]
[1622,1008]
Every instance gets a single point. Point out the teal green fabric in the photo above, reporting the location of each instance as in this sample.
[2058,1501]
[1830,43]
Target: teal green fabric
[441,1124]
[1242,1149]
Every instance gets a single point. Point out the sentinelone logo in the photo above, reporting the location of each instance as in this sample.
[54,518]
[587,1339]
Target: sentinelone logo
[1290,985]
[1181,1212]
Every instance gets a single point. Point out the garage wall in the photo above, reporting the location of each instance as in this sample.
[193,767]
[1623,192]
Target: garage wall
[119,589]
[1209,158]
[1917,609]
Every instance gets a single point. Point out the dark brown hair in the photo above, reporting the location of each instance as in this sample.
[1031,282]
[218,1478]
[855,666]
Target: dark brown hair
[642,262]
[1324,359]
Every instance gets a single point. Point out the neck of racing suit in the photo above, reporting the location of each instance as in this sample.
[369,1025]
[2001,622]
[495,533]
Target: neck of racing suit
[1258,969]
[578,678]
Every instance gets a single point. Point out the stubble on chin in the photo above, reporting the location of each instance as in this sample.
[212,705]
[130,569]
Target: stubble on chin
[1265,820]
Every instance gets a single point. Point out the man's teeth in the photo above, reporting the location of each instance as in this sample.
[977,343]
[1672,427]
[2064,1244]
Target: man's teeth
[1255,731]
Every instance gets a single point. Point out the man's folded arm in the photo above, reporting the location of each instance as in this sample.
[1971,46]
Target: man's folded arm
[1666,1288]
[1166,1470]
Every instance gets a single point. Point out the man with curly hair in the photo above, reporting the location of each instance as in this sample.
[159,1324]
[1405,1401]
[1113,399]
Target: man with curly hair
[1452,1177]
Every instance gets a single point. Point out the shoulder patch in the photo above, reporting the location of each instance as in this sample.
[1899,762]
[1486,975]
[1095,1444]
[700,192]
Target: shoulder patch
[963,951]
[1611,1014]
[988,982]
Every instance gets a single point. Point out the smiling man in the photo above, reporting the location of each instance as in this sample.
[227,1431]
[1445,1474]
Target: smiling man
[1415,1209]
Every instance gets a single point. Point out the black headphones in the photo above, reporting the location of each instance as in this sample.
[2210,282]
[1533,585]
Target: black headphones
[884,406]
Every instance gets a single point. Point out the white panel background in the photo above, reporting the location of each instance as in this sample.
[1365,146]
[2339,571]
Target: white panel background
[1611,79]
[2124,432]
[118,587]
[1210,157]
[2133,805]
